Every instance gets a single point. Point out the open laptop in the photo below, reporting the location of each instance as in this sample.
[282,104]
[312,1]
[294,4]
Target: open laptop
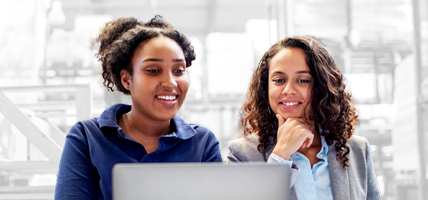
[201,181]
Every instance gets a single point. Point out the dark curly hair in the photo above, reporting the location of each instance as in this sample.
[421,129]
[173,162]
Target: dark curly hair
[331,104]
[119,38]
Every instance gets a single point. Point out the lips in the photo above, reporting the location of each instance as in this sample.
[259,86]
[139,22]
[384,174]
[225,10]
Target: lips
[289,103]
[167,97]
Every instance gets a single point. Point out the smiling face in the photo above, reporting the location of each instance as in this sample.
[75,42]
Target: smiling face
[290,83]
[159,82]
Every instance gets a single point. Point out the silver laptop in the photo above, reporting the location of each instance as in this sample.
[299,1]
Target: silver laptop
[191,181]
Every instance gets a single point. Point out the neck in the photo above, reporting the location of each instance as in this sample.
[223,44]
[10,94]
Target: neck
[137,122]
[315,148]
[317,137]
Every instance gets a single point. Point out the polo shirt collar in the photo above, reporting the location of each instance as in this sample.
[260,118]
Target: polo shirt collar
[109,119]
[182,129]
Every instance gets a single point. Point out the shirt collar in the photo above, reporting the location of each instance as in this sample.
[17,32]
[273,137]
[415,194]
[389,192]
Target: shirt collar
[324,147]
[109,118]
[182,129]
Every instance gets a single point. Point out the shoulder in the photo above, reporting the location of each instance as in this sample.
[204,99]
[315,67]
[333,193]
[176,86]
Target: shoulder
[357,140]
[201,129]
[358,144]
[82,129]
[86,125]
[359,151]
[186,131]
[203,132]
[244,143]
[245,150]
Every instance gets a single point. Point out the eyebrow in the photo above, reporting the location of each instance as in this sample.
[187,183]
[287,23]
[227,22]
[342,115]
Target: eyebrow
[298,72]
[178,60]
[161,60]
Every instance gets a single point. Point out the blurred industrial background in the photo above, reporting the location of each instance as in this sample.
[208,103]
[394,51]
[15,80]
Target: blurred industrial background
[50,79]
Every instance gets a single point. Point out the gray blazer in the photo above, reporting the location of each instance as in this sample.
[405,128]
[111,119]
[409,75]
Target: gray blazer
[358,181]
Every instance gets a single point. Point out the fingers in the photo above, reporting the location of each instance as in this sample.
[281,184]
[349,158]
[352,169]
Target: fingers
[305,144]
[293,134]
[281,120]
[301,122]
[308,140]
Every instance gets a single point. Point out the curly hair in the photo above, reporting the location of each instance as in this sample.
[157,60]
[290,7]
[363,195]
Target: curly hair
[118,40]
[331,104]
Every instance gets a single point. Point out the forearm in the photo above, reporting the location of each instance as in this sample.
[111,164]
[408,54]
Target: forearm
[274,159]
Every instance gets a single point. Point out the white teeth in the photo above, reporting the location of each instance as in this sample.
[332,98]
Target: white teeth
[290,103]
[164,97]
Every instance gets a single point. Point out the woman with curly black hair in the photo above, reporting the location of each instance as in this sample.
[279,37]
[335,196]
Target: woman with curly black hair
[299,113]
[149,62]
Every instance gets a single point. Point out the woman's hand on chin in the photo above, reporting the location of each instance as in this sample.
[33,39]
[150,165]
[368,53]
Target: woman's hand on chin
[292,135]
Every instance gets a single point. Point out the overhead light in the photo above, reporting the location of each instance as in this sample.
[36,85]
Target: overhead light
[354,38]
[56,16]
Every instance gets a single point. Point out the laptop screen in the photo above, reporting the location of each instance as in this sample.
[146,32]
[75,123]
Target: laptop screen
[200,181]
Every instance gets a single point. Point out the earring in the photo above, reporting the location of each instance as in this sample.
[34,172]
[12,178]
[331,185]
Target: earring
[269,110]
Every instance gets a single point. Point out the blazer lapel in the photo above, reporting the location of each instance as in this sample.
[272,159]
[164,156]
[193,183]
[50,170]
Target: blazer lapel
[338,176]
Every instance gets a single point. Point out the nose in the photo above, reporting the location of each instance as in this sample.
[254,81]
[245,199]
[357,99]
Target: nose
[168,81]
[289,89]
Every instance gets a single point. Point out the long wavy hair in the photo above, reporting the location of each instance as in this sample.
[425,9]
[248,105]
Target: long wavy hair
[119,38]
[331,104]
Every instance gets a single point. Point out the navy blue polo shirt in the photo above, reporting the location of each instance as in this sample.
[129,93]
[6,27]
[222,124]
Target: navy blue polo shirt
[94,146]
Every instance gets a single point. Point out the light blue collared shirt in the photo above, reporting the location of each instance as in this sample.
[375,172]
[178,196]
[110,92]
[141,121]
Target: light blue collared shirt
[311,184]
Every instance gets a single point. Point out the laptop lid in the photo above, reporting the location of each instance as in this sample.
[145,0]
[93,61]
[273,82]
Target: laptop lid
[200,181]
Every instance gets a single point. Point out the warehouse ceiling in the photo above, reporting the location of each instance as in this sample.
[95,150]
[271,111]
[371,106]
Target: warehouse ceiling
[374,21]
[192,17]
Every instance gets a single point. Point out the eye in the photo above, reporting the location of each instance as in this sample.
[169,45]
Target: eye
[179,71]
[279,80]
[303,81]
[152,71]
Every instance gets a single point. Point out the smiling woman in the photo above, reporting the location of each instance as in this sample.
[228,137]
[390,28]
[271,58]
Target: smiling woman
[291,83]
[159,82]
[149,62]
[298,113]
